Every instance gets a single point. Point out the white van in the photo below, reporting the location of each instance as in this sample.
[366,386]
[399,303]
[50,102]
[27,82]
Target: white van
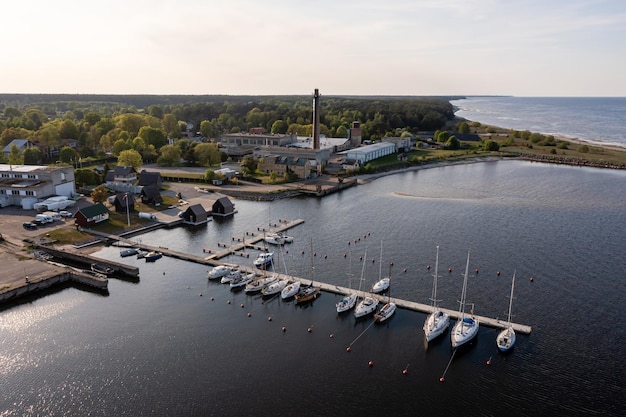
[44,218]
[55,216]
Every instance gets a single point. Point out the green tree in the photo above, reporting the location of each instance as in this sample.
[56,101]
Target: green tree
[170,124]
[86,176]
[152,136]
[68,155]
[249,163]
[15,157]
[207,154]
[453,143]
[170,156]
[463,128]
[68,130]
[491,145]
[32,156]
[209,175]
[131,158]
[208,129]
[120,146]
[99,194]
[279,127]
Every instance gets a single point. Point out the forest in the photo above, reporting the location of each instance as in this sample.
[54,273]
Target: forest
[93,126]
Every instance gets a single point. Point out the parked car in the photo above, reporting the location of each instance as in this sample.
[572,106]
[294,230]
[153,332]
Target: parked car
[29,225]
[65,213]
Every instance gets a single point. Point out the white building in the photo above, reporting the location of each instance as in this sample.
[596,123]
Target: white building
[24,185]
[367,153]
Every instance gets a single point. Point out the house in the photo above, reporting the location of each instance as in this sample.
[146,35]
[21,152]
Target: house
[91,215]
[124,202]
[151,195]
[195,215]
[282,165]
[150,178]
[22,144]
[122,174]
[223,207]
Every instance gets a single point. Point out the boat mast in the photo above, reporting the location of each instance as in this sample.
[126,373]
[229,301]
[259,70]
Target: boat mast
[380,263]
[363,273]
[433,297]
[511,298]
[462,302]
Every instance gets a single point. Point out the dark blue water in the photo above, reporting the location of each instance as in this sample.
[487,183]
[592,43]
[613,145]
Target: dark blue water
[600,120]
[156,347]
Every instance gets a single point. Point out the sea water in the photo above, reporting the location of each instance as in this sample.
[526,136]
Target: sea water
[174,343]
[598,120]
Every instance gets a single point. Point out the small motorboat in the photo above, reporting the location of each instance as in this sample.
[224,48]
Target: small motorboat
[219,271]
[153,256]
[102,269]
[274,239]
[129,252]
[264,260]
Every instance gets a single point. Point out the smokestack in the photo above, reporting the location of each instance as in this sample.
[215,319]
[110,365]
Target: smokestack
[316,119]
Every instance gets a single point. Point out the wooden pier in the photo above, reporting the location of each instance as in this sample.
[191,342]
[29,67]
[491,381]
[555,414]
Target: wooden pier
[250,241]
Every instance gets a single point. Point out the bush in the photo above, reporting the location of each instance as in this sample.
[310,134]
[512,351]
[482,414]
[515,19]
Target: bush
[583,149]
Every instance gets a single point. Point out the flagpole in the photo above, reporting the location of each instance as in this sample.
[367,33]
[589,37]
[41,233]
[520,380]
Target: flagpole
[127,211]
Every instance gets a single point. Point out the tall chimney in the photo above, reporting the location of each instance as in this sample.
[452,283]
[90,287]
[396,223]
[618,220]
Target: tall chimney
[316,119]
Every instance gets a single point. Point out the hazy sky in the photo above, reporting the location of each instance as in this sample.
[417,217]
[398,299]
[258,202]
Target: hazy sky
[342,47]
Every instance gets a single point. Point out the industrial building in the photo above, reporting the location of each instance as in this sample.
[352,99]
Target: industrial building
[25,185]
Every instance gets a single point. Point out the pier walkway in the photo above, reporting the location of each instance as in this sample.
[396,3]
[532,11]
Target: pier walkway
[255,237]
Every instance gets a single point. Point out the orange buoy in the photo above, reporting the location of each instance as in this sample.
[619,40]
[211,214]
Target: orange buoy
[489,361]
[284,329]
[449,269]
[228,302]
[200,294]
[309,330]
[212,299]
[371,363]
[325,256]
[532,279]
[241,305]
[476,270]
[344,255]
[269,318]
[331,336]
[441,379]
[404,269]
[315,254]
[405,371]
[498,273]
[348,349]
[390,263]
[373,260]
[428,267]
[249,314]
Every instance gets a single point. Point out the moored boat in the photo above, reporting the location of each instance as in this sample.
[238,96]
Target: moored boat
[219,271]
[466,328]
[275,287]
[129,252]
[153,256]
[506,338]
[242,280]
[259,283]
[274,239]
[232,275]
[385,312]
[366,306]
[102,269]
[264,260]
[290,290]
[307,293]
[437,322]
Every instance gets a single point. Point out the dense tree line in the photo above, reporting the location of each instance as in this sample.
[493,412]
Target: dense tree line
[114,124]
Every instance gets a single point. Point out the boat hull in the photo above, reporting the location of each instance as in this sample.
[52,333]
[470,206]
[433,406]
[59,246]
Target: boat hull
[463,332]
[506,339]
[381,286]
[347,303]
[290,290]
[385,313]
[366,307]
[436,324]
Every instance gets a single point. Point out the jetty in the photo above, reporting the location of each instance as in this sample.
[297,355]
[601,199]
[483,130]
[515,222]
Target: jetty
[250,241]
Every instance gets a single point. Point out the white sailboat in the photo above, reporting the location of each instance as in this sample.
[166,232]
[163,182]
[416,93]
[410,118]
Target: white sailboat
[466,328]
[506,338]
[437,322]
[277,286]
[290,290]
[383,282]
[349,300]
[388,309]
[369,303]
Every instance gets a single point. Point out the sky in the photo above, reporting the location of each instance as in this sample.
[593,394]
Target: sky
[342,47]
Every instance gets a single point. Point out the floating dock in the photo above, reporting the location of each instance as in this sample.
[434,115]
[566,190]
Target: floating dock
[252,238]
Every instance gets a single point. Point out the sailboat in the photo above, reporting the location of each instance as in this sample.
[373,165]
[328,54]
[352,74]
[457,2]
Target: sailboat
[466,328]
[383,283]
[369,303]
[279,285]
[349,300]
[506,338]
[308,292]
[388,309]
[437,322]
